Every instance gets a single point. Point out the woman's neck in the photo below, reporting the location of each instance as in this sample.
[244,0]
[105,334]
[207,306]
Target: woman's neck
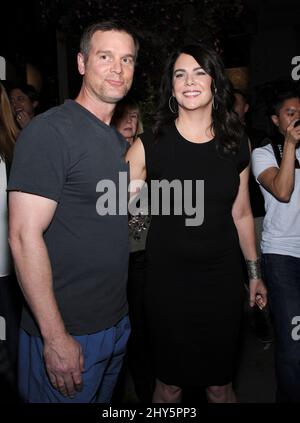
[195,126]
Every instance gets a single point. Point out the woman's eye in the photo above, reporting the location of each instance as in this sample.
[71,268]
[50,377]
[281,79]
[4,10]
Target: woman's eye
[178,75]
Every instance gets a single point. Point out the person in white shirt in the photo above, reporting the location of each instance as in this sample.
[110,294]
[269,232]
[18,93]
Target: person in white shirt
[276,168]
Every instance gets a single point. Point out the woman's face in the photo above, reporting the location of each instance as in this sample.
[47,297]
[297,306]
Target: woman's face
[191,84]
[289,111]
[128,123]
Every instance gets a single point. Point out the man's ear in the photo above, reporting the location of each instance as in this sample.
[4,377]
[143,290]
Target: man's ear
[246,108]
[275,120]
[35,104]
[81,63]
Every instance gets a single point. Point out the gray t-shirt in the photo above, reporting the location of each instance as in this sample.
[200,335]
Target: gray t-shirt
[62,155]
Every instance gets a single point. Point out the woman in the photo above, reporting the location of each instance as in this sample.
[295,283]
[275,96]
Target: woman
[194,283]
[127,119]
[9,290]
[276,167]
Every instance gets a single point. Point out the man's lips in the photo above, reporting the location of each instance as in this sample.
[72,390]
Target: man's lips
[115,83]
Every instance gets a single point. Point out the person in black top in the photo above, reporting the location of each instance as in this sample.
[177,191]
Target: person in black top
[71,256]
[194,289]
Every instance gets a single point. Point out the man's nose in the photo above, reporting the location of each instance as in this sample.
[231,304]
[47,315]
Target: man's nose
[116,66]
[16,102]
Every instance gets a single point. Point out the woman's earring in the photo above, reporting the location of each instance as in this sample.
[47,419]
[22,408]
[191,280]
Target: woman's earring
[173,110]
[214,103]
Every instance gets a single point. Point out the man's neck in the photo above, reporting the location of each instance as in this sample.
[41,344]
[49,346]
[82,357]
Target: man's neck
[100,109]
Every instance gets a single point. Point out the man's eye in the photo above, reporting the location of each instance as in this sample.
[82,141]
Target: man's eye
[127,60]
[104,57]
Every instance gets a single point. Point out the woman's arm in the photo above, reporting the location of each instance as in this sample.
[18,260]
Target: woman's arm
[137,164]
[243,219]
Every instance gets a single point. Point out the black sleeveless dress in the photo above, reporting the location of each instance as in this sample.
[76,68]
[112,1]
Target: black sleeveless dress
[194,279]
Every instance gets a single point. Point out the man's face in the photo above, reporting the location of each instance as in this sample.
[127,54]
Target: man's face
[240,106]
[288,112]
[108,70]
[21,102]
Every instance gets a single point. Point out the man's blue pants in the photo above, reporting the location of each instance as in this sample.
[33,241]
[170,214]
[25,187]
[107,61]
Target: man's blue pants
[103,355]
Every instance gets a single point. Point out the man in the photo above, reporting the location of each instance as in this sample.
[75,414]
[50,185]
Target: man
[70,261]
[24,101]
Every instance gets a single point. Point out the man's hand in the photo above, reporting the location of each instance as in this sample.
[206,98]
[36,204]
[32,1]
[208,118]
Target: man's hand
[64,363]
[292,135]
[23,118]
[258,293]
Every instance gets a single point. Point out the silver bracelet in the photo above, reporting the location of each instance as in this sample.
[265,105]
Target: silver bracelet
[253,268]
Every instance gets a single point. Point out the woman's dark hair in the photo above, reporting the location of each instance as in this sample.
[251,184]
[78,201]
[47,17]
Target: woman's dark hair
[225,123]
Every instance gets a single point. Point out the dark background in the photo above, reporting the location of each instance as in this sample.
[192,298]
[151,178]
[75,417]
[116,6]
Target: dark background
[261,35]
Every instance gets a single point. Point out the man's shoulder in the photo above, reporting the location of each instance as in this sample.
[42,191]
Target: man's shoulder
[61,121]
[56,114]
[263,150]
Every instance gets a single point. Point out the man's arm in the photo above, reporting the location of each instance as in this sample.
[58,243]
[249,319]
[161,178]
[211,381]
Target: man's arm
[280,182]
[30,216]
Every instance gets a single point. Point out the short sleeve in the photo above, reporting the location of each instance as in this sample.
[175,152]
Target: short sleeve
[147,139]
[262,159]
[243,155]
[40,160]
